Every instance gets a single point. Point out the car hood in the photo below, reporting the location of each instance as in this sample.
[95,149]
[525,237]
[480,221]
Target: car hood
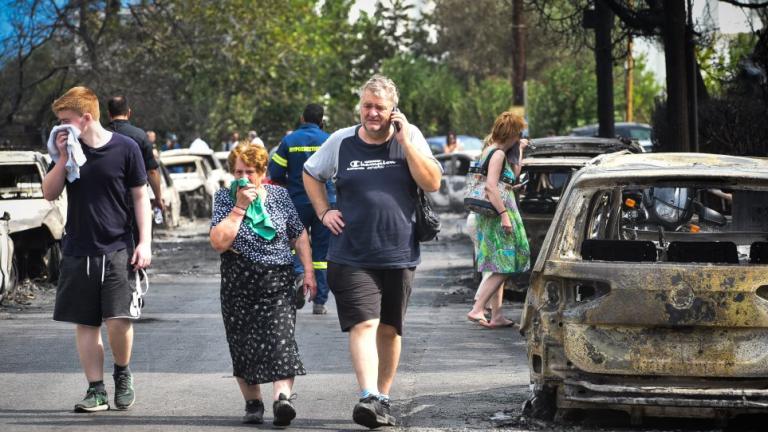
[186,182]
[29,213]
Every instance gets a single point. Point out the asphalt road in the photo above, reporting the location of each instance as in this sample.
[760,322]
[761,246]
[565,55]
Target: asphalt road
[453,374]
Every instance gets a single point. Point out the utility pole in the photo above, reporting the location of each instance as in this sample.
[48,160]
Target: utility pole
[518,55]
[629,84]
[604,68]
[675,49]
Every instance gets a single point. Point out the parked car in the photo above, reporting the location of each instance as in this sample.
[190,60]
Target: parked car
[171,198]
[223,158]
[547,168]
[217,172]
[8,269]
[640,132]
[469,145]
[650,292]
[450,195]
[36,225]
[191,177]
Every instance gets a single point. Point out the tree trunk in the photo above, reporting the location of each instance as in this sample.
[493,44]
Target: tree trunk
[604,69]
[518,53]
[674,33]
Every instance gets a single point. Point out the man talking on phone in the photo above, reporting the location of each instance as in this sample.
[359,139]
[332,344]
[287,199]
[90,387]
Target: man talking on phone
[376,166]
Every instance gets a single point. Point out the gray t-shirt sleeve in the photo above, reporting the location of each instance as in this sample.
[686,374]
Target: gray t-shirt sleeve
[418,140]
[323,165]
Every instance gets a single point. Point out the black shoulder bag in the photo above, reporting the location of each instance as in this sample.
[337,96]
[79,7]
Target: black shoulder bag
[427,222]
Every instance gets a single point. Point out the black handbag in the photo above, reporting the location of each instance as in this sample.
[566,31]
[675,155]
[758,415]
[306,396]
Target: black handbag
[427,221]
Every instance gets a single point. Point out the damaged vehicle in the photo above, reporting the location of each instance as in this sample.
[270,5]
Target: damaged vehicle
[547,168]
[7,263]
[190,176]
[450,195]
[171,198]
[35,225]
[216,171]
[650,293]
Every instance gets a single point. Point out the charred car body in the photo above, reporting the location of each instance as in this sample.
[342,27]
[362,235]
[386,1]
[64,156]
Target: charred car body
[650,293]
[35,224]
[547,169]
[191,177]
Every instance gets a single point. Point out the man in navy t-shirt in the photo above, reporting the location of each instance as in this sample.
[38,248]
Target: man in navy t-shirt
[96,283]
[373,251]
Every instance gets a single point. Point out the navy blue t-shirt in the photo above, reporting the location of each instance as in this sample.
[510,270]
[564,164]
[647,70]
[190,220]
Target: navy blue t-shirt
[376,196]
[97,207]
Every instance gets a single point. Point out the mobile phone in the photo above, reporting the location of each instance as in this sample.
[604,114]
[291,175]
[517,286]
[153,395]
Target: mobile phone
[397,125]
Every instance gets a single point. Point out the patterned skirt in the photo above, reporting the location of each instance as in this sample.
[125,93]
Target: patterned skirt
[259,319]
[499,252]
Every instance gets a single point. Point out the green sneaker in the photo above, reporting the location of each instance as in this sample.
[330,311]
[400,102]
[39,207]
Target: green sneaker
[95,400]
[124,395]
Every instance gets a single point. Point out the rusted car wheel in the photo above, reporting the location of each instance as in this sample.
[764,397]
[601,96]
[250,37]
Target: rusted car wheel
[542,404]
[52,262]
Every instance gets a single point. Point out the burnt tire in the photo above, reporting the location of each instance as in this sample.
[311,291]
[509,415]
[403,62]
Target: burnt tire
[542,404]
[53,262]
[13,279]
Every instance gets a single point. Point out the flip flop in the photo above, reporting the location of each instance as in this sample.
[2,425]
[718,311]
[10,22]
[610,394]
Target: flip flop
[496,326]
[482,322]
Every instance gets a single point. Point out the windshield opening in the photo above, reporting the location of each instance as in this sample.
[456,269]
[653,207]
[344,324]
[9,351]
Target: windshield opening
[20,182]
[682,223]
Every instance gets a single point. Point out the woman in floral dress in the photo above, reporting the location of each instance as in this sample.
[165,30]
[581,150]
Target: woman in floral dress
[501,243]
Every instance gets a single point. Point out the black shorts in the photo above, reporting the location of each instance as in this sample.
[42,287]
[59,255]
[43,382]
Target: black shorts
[365,294]
[93,289]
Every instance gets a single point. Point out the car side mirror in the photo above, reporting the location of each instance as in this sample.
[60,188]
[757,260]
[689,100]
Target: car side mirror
[6,216]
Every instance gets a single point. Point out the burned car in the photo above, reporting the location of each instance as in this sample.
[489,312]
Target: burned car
[546,170]
[450,195]
[650,293]
[35,224]
[7,262]
[190,176]
[216,171]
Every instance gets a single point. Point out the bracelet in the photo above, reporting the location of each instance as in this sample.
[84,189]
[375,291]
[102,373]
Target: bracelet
[322,216]
[241,212]
[240,208]
[502,212]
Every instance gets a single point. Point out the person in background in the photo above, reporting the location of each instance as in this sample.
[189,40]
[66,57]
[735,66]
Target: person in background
[254,226]
[119,114]
[253,138]
[286,168]
[451,143]
[502,245]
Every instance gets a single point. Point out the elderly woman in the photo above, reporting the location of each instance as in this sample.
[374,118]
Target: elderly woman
[501,245]
[254,227]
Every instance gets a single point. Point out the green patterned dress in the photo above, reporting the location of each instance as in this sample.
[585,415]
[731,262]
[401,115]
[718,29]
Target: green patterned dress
[499,252]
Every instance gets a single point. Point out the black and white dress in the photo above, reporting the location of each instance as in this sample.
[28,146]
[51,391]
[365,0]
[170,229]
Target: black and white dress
[257,292]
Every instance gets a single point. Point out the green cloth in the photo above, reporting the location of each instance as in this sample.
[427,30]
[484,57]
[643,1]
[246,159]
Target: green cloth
[256,218]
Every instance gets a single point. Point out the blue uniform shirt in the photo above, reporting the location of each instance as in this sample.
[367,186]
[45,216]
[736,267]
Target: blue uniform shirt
[287,164]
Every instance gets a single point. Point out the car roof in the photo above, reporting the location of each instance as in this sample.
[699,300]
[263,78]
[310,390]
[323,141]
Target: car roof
[179,152]
[701,165]
[15,156]
[174,159]
[592,128]
[578,146]
[556,161]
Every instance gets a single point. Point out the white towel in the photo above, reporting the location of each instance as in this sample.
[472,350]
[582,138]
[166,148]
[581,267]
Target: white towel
[76,158]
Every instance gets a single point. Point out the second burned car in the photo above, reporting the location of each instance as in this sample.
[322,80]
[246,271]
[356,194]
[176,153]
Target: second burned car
[650,293]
